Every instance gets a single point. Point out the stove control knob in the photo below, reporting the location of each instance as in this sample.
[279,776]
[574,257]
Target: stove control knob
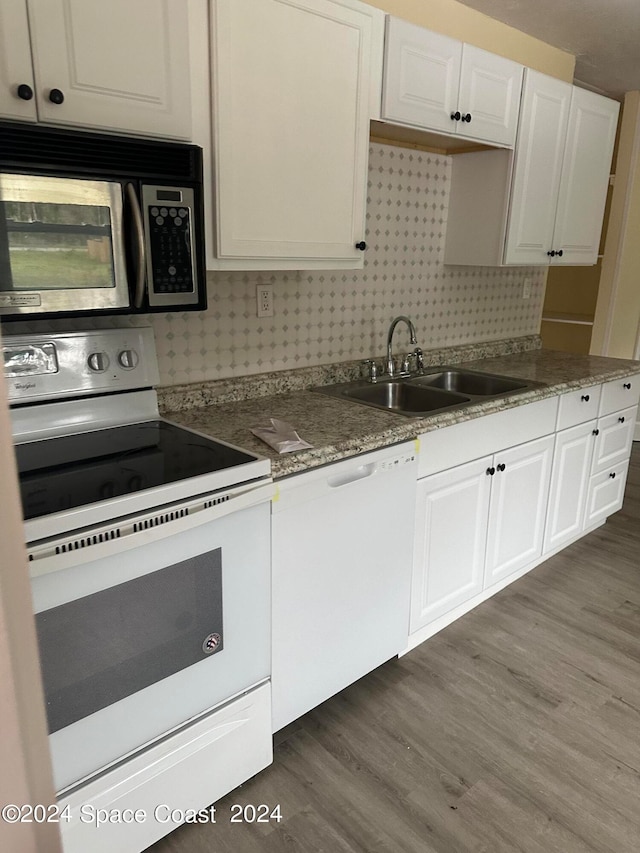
[98,362]
[128,359]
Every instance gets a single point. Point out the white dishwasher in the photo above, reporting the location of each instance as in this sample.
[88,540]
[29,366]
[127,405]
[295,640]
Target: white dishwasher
[342,555]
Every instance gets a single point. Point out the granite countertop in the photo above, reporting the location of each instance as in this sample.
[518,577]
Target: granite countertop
[338,428]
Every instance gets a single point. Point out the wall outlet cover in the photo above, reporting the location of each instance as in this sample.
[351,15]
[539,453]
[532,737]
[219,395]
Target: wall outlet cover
[264,300]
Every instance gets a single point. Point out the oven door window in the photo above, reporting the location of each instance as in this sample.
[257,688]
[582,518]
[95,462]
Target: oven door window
[103,647]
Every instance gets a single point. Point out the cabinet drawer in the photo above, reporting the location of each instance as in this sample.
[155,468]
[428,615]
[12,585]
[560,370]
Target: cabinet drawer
[619,394]
[576,407]
[606,493]
[613,442]
[460,443]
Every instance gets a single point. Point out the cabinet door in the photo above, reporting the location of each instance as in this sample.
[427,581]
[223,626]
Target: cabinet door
[537,169]
[451,530]
[569,484]
[119,65]
[490,88]
[421,77]
[291,128]
[614,440]
[585,177]
[606,494]
[15,61]
[519,496]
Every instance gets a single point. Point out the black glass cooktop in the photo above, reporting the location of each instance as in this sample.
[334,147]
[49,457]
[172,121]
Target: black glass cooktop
[58,474]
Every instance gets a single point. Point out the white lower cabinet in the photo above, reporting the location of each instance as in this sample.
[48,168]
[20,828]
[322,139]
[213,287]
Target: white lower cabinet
[452,509]
[614,439]
[476,524]
[569,484]
[481,522]
[605,495]
[519,496]
[590,458]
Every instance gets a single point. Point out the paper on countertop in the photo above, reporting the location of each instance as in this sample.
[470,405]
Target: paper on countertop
[281,436]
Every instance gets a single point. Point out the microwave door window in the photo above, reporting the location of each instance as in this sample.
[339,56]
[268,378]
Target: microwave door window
[55,246]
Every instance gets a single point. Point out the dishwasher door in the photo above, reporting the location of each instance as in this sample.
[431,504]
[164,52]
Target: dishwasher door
[342,539]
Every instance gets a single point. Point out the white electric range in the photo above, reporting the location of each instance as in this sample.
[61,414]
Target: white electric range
[149,549]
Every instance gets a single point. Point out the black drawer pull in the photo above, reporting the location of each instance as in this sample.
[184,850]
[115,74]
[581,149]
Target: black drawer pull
[56,96]
[627,385]
[620,420]
[456,116]
[585,398]
[491,471]
[501,466]
[361,245]
[613,475]
[596,432]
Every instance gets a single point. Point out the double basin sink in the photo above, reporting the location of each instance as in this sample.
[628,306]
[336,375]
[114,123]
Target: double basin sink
[430,392]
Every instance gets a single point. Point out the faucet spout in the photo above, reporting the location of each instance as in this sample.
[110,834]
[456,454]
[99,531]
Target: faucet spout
[392,328]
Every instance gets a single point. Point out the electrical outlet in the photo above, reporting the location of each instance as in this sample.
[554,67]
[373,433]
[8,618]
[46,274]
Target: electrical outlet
[264,300]
[526,288]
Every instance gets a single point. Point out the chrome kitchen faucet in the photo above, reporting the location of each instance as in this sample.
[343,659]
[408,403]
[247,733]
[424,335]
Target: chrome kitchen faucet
[412,337]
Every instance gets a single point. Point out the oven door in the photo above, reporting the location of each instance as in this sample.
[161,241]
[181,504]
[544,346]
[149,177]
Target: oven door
[61,245]
[143,632]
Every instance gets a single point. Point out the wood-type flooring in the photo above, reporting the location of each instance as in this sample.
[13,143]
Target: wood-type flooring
[514,730]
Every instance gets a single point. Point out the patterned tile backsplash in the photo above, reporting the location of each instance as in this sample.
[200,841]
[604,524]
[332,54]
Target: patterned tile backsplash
[332,315]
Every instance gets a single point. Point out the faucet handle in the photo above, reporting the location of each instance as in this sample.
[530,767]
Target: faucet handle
[372,367]
[406,363]
[419,358]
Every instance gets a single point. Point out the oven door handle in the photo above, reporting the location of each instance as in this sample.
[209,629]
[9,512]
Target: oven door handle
[140,530]
[141,254]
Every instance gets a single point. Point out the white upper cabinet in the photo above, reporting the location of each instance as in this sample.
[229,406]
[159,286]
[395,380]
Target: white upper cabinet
[585,177]
[490,89]
[437,83]
[16,72]
[291,108]
[538,166]
[118,66]
[421,76]
[544,202]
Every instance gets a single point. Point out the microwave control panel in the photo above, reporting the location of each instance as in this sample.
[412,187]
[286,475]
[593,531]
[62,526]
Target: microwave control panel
[171,269]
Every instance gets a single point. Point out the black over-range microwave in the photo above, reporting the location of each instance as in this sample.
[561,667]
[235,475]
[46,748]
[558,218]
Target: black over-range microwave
[98,224]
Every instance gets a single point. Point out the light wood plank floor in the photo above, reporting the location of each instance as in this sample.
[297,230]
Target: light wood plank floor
[515,729]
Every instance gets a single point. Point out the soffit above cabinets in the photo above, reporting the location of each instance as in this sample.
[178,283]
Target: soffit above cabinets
[602,35]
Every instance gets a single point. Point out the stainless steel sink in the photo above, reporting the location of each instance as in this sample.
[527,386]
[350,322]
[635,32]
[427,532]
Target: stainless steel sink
[404,396]
[469,382]
[442,389]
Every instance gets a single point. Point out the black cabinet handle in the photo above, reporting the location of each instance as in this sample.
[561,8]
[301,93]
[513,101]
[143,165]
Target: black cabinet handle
[466,117]
[585,398]
[560,253]
[551,254]
[596,432]
[613,475]
[361,245]
[501,466]
[456,116]
[56,96]
[25,92]
[621,420]
[627,385]
[491,471]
